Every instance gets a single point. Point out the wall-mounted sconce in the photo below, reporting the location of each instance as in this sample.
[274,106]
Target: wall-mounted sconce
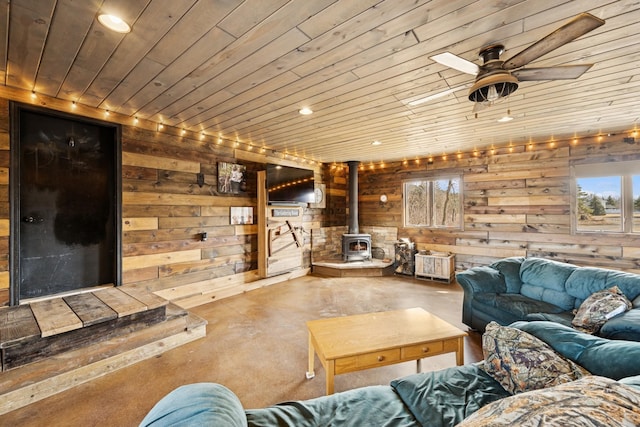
[203,236]
[383,199]
[200,179]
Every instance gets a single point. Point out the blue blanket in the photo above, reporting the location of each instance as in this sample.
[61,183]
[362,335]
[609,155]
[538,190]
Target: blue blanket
[432,399]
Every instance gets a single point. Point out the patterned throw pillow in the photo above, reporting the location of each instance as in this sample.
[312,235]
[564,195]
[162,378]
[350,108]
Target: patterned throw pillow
[598,308]
[521,362]
[590,401]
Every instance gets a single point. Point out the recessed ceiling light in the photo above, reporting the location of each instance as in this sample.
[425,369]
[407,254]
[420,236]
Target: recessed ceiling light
[305,111]
[506,118]
[114,23]
[376,142]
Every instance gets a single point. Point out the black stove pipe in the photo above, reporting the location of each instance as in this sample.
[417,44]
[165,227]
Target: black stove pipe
[353,197]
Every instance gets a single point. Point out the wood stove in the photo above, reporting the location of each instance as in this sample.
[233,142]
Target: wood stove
[355,245]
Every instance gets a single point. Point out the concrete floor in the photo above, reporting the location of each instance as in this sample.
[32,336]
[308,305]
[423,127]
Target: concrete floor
[256,345]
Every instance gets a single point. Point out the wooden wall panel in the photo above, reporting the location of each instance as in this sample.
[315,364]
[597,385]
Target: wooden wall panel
[516,203]
[164,210]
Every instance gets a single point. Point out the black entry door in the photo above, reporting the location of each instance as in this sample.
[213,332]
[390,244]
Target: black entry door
[67,205]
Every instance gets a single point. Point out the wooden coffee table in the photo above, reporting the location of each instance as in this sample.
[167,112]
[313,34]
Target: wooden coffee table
[363,341]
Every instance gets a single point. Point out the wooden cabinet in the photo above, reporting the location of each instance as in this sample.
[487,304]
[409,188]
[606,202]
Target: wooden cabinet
[435,267]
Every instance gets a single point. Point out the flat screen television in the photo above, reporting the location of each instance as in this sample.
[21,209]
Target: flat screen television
[289,185]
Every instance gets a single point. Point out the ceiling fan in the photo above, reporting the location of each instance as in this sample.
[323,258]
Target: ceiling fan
[497,79]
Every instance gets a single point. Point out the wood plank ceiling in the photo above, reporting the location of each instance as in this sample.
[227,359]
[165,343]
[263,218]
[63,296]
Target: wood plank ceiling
[243,68]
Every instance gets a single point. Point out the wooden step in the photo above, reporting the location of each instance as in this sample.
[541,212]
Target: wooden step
[30,383]
[48,327]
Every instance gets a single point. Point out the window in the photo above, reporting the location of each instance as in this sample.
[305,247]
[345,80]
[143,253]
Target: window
[433,202]
[607,197]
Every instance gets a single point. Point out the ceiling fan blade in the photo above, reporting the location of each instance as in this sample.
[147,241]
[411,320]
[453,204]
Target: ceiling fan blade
[570,31]
[562,72]
[438,95]
[450,60]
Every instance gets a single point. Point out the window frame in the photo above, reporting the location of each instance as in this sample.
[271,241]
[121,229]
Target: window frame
[625,170]
[430,179]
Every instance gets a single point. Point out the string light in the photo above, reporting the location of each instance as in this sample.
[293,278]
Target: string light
[73,104]
[33,94]
[135,120]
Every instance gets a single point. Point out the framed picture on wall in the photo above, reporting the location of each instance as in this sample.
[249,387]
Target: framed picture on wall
[242,215]
[232,178]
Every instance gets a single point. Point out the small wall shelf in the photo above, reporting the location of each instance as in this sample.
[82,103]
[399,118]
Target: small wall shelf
[434,267]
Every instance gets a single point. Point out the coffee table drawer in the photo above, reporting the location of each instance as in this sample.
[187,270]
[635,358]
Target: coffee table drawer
[422,350]
[365,361]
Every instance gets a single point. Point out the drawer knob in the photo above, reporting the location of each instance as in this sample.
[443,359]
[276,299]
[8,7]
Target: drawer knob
[425,349]
[380,358]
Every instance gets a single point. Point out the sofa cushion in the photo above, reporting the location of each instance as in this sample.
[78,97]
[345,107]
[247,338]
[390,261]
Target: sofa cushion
[601,356]
[510,270]
[623,327]
[632,381]
[518,305]
[584,281]
[482,279]
[564,318]
[199,404]
[544,280]
[521,362]
[444,398]
[364,406]
[598,308]
[590,401]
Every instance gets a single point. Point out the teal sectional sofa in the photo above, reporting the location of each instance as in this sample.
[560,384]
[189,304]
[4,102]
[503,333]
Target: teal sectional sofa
[464,394]
[518,288]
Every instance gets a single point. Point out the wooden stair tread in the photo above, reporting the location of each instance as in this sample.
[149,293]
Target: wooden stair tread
[90,309]
[54,316]
[148,298]
[121,302]
[17,323]
[36,381]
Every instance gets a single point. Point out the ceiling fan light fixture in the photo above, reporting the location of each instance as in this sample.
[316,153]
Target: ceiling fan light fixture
[493,87]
